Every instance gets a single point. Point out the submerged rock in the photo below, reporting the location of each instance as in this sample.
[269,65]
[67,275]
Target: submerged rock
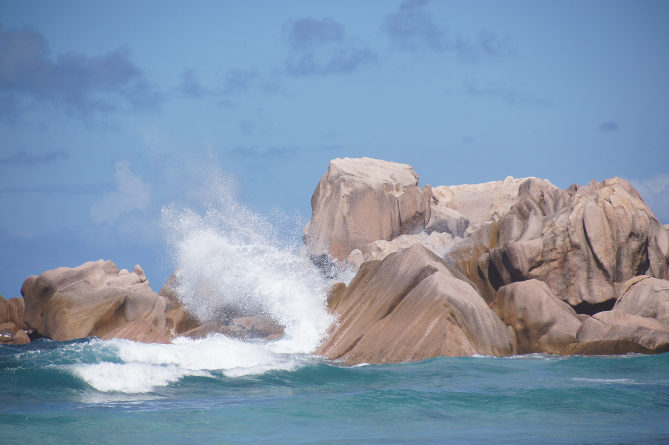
[412,306]
[94,299]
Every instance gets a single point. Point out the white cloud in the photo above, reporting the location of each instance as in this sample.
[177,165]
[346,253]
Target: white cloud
[655,191]
[132,194]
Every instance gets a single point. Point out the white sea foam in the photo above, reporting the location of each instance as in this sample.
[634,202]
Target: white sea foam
[603,381]
[226,256]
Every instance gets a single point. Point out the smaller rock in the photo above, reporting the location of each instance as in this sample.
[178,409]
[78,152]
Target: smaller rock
[540,320]
[439,243]
[646,297]
[138,330]
[259,326]
[619,326]
[607,347]
[21,338]
[12,311]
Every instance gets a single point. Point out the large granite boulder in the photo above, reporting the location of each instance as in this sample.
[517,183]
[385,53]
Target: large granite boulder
[584,244]
[541,321]
[437,242]
[359,201]
[11,321]
[646,297]
[466,207]
[411,306]
[622,327]
[93,299]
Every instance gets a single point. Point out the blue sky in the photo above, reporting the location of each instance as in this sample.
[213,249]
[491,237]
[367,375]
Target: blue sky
[111,110]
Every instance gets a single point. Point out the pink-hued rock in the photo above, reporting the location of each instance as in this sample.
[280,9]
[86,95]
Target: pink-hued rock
[620,326]
[12,311]
[93,299]
[541,321]
[359,201]
[646,297]
[584,246]
[411,306]
[138,330]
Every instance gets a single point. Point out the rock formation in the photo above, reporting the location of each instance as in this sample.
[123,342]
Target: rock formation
[11,321]
[584,246]
[412,306]
[231,321]
[576,271]
[646,297]
[437,242]
[363,200]
[94,299]
[541,321]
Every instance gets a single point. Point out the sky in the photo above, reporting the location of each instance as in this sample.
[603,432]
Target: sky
[110,111]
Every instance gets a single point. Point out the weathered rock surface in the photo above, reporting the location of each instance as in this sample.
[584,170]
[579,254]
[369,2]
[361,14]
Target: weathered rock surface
[11,322]
[363,200]
[646,297]
[481,203]
[232,321]
[177,318]
[541,321]
[248,327]
[412,306]
[619,326]
[585,246]
[607,347]
[11,311]
[138,330]
[437,242]
[93,299]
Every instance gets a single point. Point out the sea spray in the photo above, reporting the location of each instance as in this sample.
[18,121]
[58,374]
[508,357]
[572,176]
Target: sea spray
[225,256]
[230,256]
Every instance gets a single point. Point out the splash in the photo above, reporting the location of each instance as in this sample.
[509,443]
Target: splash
[229,256]
[226,256]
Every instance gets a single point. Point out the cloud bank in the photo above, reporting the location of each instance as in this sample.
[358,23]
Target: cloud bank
[80,84]
[320,47]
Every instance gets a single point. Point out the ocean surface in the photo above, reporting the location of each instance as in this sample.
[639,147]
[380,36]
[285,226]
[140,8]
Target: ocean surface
[218,390]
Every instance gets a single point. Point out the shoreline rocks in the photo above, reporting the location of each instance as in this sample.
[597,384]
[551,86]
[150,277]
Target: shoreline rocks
[412,306]
[94,299]
[576,271]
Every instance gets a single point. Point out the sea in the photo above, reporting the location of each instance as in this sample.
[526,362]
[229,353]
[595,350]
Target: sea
[219,390]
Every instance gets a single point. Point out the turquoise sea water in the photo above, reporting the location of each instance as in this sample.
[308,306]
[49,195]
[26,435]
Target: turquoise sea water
[90,391]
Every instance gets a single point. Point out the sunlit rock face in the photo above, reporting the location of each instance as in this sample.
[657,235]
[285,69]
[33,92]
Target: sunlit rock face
[412,306]
[584,246]
[363,200]
[94,299]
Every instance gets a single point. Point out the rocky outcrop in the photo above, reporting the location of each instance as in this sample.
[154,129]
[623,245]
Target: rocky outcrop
[412,306]
[584,246]
[437,242]
[359,201]
[138,330]
[232,321]
[477,204]
[620,326]
[11,322]
[541,321]
[646,297]
[248,327]
[94,299]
